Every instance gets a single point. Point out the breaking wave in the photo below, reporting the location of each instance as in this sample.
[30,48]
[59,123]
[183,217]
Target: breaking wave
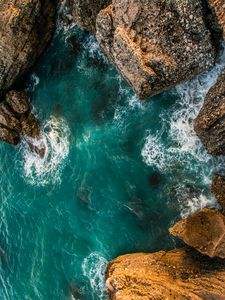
[94,267]
[55,138]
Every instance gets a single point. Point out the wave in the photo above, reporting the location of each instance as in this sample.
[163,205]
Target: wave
[46,170]
[94,267]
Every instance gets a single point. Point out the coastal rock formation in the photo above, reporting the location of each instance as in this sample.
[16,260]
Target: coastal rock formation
[17,121]
[179,274]
[155,44]
[218,9]
[85,12]
[26,27]
[218,189]
[210,123]
[204,231]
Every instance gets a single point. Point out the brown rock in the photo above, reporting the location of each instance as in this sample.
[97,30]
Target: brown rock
[19,101]
[9,136]
[218,9]
[85,12]
[30,126]
[8,119]
[210,123]
[26,27]
[181,274]
[218,189]
[156,44]
[204,231]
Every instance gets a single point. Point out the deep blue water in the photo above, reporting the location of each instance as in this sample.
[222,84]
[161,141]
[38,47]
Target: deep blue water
[117,174]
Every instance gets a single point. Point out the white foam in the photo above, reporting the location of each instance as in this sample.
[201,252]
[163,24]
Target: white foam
[55,137]
[94,267]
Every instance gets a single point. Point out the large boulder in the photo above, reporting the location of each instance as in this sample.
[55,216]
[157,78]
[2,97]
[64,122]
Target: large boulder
[218,189]
[156,44]
[179,274]
[210,122]
[26,26]
[218,10]
[85,12]
[204,231]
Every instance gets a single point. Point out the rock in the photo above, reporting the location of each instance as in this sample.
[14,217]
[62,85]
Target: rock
[180,274]
[218,189]
[9,136]
[204,231]
[210,122]
[218,9]
[30,126]
[8,118]
[156,44]
[26,28]
[85,12]
[19,101]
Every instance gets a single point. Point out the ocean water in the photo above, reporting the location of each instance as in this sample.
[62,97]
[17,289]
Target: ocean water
[117,173]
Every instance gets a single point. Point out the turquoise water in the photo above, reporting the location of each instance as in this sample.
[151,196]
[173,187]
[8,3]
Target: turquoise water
[117,174]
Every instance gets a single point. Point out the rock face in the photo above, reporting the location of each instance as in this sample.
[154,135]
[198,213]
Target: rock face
[218,9]
[204,231]
[17,120]
[210,123]
[26,27]
[155,44]
[85,12]
[179,274]
[218,189]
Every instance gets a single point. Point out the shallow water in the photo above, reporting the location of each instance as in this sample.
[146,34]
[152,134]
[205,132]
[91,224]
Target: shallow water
[117,174]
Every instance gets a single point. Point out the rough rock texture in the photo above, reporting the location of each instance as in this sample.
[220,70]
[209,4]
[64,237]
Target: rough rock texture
[16,119]
[218,9]
[85,12]
[26,27]
[210,123]
[181,274]
[218,189]
[155,44]
[204,231]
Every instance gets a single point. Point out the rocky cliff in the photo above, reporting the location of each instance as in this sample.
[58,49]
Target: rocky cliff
[210,123]
[26,27]
[180,274]
[85,12]
[156,44]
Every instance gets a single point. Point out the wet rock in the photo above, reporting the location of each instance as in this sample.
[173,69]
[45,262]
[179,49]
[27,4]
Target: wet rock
[25,29]
[156,44]
[218,9]
[204,231]
[218,189]
[30,126]
[8,118]
[179,274]
[210,122]
[19,101]
[85,12]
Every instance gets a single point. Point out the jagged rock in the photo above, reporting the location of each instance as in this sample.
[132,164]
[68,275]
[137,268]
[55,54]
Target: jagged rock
[218,189]
[179,274]
[9,136]
[156,44]
[210,123]
[85,12]
[218,9]
[204,231]
[19,101]
[26,27]
[8,119]
[30,126]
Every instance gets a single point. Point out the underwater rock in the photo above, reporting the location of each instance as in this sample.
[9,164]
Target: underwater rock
[179,274]
[85,12]
[204,231]
[218,189]
[25,29]
[210,122]
[156,44]
[218,9]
